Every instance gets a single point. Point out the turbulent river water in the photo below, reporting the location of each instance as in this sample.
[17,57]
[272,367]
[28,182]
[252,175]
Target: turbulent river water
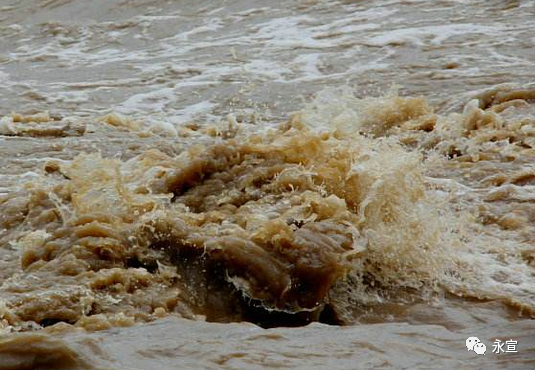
[266,184]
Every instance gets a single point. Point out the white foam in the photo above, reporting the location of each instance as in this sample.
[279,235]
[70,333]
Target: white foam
[434,35]
[291,31]
[6,126]
[155,100]
[192,111]
[163,129]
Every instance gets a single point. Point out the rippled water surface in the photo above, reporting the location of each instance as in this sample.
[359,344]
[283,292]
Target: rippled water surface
[252,184]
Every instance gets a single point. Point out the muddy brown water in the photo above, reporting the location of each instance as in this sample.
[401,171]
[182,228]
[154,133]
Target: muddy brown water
[242,184]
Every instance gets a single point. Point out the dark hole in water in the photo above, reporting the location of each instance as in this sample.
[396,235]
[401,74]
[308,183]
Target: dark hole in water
[135,262]
[211,294]
[329,316]
[454,153]
[259,315]
[53,321]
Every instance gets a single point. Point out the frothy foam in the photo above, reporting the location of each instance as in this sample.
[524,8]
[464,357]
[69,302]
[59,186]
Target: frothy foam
[342,206]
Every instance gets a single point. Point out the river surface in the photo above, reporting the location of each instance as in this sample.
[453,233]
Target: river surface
[252,184]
